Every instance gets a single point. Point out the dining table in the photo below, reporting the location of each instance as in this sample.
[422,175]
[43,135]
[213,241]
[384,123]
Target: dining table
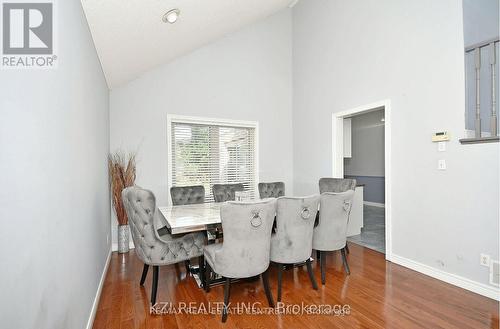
[191,218]
[201,217]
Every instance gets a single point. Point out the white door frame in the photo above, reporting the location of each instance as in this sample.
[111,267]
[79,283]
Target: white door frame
[338,157]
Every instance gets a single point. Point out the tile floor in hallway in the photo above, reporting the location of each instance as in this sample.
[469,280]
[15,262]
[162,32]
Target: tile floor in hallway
[373,232]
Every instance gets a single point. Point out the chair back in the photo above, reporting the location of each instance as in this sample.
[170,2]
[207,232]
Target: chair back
[247,237]
[271,190]
[336,185]
[182,195]
[334,210]
[225,192]
[295,216]
[140,205]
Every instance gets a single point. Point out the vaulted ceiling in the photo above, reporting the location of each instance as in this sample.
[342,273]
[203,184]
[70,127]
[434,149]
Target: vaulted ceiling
[131,37]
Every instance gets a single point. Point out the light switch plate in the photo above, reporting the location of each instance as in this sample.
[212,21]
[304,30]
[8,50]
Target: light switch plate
[441,146]
[442,164]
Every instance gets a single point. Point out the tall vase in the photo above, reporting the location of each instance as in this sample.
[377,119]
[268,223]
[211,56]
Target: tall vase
[123,237]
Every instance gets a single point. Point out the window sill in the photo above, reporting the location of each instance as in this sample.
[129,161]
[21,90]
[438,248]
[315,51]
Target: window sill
[481,140]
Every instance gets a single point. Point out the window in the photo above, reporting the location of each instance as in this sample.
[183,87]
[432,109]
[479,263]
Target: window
[210,151]
[482,55]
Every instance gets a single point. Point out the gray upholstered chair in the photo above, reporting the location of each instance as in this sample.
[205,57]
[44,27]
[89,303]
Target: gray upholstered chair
[246,248]
[152,249]
[331,232]
[182,195]
[336,185]
[271,190]
[292,242]
[225,192]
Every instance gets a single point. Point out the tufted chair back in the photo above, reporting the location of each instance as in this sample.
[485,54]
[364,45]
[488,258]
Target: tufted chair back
[140,205]
[182,195]
[247,237]
[295,217]
[271,190]
[336,185]
[225,192]
[334,210]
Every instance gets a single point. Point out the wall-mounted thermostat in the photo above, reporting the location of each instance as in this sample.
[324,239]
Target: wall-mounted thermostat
[440,136]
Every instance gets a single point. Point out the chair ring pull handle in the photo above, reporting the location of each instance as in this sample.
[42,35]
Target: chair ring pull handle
[347,204]
[305,213]
[256,221]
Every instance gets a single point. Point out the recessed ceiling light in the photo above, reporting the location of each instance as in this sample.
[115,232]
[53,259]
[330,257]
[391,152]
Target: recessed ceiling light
[171,16]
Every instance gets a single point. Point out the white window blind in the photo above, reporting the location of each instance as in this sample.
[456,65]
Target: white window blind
[208,154]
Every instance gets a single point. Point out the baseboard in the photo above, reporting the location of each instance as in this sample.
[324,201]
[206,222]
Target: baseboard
[114,246]
[98,293]
[374,204]
[456,280]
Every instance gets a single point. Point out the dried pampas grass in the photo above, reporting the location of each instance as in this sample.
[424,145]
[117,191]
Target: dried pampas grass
[121,175]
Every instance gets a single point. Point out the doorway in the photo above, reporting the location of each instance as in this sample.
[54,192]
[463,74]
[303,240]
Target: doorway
[361,150]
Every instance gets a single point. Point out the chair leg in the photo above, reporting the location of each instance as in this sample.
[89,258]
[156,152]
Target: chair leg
[227,289]
[201,269]
[311,274]
[267,288]
[347,248]
[144,274]
[187,264]
[280,275]
[154,287]
[208,275]
[323,267]
[344,260]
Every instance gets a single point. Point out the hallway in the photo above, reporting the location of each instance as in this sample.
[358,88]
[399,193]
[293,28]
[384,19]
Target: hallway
[373,232]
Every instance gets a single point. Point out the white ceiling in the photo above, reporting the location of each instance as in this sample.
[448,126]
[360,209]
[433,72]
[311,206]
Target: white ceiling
[131,38]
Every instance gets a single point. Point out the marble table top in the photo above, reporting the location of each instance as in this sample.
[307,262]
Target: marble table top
[191,218]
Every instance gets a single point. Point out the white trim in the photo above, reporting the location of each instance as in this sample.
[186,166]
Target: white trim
[95,304]
[456,280]
[209,121]
[337,146]
[374,204]
[388,178]
[491,272]
[170,118]
[338,157]
[256,158]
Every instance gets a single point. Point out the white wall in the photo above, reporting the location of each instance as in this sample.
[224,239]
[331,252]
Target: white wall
[351,53]
[54,200]
[246,75]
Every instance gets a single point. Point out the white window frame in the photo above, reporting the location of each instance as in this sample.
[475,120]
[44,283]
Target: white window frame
[175,118]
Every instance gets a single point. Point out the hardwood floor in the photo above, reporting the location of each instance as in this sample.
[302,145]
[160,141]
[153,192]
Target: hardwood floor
[380,295]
